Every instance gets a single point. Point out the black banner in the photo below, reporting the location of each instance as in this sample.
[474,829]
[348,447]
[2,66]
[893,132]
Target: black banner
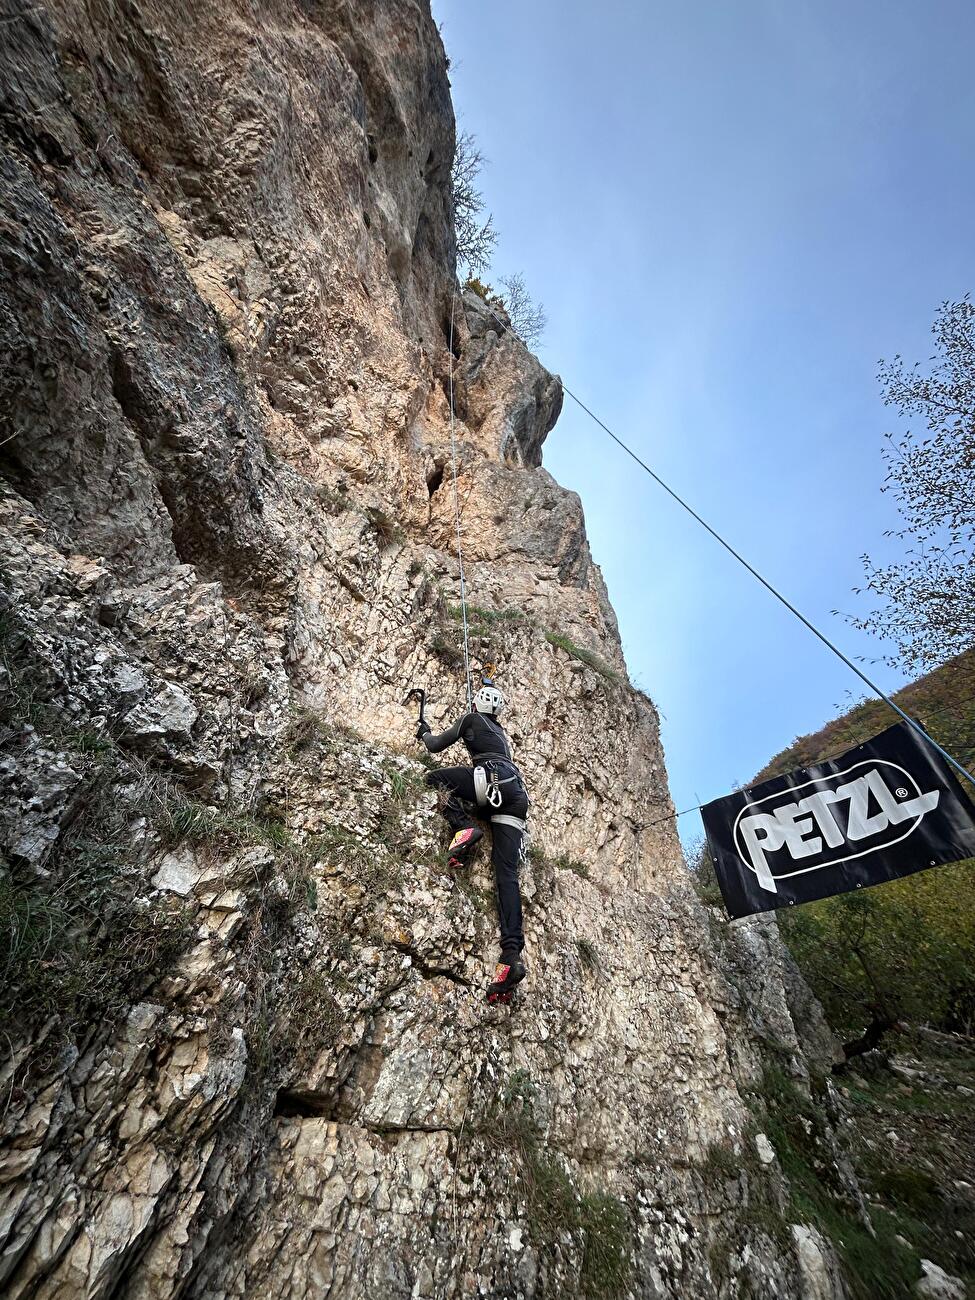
[887,808]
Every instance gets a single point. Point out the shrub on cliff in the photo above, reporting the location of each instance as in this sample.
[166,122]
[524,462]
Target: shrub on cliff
[475,285]
[527,317]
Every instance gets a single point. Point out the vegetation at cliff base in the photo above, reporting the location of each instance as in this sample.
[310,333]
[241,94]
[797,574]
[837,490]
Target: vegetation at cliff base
[876,1265]
[902,951]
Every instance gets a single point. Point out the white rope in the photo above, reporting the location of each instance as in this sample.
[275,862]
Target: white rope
[453,467]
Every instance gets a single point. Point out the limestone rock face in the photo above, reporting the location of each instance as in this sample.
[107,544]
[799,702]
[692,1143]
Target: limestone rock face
[936,1284]
[249,1053]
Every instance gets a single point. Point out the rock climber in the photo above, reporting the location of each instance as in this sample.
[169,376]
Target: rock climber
[494,784]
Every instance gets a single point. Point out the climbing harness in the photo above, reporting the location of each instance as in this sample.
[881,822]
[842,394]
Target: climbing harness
[453,472]
[488,783]
[963,771]
[504,819]
[481,787]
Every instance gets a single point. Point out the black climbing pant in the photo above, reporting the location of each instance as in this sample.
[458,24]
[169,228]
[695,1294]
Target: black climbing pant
[458,784]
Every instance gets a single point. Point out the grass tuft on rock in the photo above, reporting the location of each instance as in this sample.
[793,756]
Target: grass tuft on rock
[308,728]
[53,969]
[478,615]
[564,863]
[186,821]
[605,1226]
[212,830]
[585,656]
[388,531]
[720,1162]
[79,945]
[447,649]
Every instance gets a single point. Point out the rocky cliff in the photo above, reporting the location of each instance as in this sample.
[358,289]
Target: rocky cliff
[247,1049]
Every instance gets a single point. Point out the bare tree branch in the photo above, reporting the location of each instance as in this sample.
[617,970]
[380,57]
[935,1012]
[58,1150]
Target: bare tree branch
[528,319]
[476,236]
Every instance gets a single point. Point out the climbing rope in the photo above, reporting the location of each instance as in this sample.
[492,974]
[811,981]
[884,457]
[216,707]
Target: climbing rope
[453,470]
[912,722]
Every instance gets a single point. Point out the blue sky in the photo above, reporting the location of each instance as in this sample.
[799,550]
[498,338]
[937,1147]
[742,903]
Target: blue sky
[730,211]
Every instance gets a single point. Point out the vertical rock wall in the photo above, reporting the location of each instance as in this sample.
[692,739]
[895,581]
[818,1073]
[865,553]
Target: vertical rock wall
[248,1050]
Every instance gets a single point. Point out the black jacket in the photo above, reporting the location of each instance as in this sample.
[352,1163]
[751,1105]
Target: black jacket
[483,735]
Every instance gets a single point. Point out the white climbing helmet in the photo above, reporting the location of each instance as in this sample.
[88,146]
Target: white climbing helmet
[489,700]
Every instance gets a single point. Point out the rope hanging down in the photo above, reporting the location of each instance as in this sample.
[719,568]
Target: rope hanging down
[453,470]
[754,572]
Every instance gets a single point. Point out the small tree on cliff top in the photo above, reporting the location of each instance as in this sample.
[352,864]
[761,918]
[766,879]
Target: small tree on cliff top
[929,596]
[528,319]
[476,236]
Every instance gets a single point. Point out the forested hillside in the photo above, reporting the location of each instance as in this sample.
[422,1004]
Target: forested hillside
[943,701]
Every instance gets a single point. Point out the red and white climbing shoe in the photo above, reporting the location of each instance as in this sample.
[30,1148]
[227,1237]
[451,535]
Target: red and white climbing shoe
[463,845]
[506,975]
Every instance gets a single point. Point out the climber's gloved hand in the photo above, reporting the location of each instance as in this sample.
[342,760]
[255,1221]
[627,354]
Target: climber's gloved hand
[422,730]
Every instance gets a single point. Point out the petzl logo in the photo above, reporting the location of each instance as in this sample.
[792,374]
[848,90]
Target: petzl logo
[870,806]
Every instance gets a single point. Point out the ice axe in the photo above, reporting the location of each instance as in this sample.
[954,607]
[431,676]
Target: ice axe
[420,694]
